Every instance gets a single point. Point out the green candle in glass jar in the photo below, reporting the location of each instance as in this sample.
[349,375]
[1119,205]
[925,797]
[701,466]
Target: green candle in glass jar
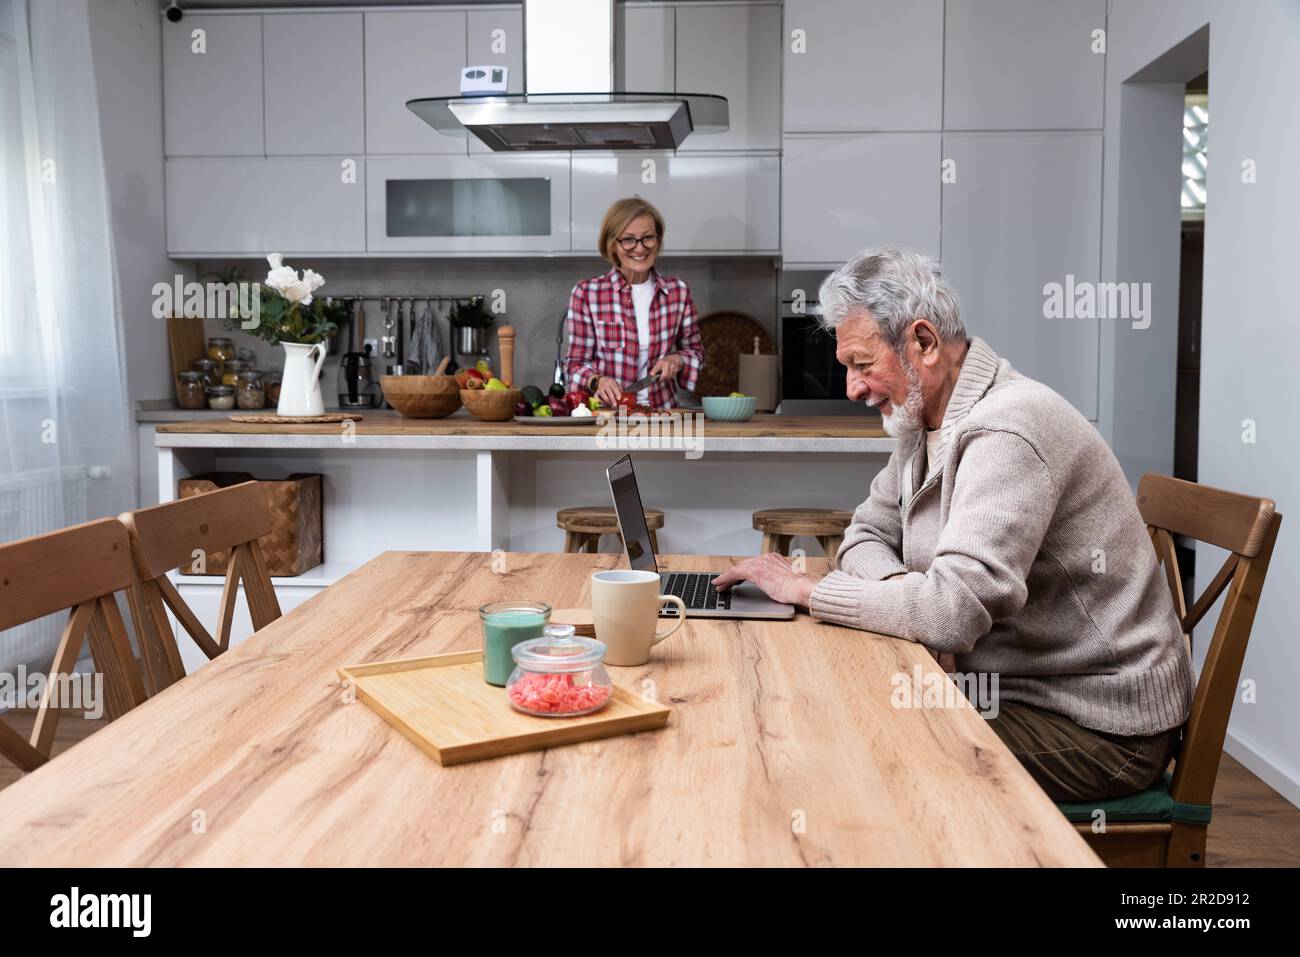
[506,624]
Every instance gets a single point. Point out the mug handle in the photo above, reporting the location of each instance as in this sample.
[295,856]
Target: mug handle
[681,617]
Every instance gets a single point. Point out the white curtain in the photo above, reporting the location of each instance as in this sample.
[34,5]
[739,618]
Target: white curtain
[66,452]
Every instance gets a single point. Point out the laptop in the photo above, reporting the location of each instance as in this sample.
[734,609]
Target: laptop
[695,589]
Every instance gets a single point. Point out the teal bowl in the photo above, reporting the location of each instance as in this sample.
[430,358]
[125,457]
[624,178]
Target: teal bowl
[721,408]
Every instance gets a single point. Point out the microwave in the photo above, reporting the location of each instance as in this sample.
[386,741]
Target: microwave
[812,380]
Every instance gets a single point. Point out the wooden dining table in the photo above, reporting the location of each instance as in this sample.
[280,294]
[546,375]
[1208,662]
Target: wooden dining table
[785,746]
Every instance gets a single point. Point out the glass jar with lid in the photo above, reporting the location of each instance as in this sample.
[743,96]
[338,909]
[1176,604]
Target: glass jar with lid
[271,386]
[246,355]
[221,397]
[249,393]
[559,675]
[220,349]
[233,368]
[191,390]
[211,373]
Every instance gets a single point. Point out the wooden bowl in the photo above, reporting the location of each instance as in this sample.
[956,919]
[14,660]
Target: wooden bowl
[491,405]
[422,396]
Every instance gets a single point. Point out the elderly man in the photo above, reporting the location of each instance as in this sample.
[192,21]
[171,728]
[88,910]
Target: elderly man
[1002,532]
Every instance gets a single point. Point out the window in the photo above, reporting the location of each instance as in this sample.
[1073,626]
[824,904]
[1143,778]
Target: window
[1196,119]
[18,327]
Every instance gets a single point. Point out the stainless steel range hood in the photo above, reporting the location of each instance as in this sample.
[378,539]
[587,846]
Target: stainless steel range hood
[569,103]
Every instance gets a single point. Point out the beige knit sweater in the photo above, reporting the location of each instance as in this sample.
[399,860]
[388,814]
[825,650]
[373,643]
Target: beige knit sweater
[1025,556]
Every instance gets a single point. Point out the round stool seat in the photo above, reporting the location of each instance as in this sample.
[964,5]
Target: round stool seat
[802,521]
[583,526]
[780,525]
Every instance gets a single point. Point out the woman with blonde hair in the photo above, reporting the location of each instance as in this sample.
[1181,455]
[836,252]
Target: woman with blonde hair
[633,321]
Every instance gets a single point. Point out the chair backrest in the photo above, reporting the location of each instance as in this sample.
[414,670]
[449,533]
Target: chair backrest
[79,568]
[1247,528]
[197,531]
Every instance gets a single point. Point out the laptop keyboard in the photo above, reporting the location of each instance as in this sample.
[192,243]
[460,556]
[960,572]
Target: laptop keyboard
[696,591]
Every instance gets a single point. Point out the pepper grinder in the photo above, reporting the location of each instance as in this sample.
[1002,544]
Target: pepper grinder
[506,348]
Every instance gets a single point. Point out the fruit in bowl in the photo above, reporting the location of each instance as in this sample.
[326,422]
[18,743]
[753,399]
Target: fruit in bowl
[491,405]
[422,396]
[736,407]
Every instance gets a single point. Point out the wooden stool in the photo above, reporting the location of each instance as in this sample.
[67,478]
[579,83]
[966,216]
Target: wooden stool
[779,525]
[584,525]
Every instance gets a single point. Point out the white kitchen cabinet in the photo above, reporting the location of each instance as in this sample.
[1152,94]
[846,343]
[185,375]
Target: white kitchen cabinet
[314,84]
[212,86]
[489,31]
[1025,211]
[711,204]
[865,65]
[645,48]
[468,205]
[733,50]
[1023,64]
[843,193]
[411,54]
[237,206]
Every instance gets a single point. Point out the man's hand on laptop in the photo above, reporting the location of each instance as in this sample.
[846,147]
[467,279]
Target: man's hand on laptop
[774,574]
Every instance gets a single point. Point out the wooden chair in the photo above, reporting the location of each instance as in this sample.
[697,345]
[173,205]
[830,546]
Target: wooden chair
[1166,825]
[221,527]
[780,525]
[584,525]
[79,568]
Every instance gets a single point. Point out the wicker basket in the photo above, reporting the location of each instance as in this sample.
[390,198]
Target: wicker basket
[296,542]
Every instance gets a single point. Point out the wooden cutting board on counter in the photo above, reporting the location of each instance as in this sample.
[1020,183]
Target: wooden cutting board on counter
[185,341]
[725,336]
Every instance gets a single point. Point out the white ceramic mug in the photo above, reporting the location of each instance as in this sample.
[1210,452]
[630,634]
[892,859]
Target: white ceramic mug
[625,611]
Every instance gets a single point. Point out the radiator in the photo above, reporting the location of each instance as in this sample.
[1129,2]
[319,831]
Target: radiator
[32,503]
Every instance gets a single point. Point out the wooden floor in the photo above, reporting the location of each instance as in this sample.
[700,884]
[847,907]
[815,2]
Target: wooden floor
[1253,825]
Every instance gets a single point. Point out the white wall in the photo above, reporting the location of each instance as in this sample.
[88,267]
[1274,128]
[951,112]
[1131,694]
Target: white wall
[1250,333]
[126,40]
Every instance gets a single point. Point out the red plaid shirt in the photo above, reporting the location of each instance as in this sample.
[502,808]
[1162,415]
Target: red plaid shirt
[603,339]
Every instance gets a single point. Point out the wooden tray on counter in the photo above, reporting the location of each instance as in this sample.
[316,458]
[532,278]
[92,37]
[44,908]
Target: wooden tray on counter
[443,705]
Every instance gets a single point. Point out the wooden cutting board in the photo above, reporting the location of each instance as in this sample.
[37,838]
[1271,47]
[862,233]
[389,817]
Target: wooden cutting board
[185,342]
[443,705]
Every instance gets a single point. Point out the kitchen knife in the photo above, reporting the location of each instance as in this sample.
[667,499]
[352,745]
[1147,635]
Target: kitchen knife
[645,383]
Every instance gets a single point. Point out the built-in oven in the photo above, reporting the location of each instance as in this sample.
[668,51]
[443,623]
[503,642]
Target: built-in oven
[812,379]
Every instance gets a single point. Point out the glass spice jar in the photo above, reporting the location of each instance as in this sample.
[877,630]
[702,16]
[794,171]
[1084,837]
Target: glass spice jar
[211,374]
[191,390]
[559,675]
[221,397]
[249,393]
[220,349]
[233,368]
[246,355]
[271,386]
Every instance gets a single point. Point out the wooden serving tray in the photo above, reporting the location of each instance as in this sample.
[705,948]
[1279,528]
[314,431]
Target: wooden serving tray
[443,705]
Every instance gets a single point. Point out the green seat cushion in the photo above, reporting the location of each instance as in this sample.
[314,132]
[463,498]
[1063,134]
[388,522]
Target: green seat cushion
[1153,804]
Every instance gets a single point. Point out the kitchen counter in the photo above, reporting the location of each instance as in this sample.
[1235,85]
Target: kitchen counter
[388,430]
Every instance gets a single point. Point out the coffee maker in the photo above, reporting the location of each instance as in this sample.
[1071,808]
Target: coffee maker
[358,388]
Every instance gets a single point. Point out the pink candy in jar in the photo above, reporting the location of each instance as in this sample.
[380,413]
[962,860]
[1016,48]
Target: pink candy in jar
[559,675]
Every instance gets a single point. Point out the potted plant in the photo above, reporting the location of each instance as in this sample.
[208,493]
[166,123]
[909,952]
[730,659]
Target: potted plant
[470,321]
[287,315]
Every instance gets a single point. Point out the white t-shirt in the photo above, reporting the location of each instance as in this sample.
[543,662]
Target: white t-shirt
[931,450]
[643,294]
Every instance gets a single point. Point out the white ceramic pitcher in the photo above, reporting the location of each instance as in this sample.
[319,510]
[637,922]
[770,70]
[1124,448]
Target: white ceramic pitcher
[300,386]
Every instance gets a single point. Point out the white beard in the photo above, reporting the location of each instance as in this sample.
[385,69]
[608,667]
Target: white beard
[906,420]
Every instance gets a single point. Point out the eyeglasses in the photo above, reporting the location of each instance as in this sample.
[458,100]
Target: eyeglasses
[629,243]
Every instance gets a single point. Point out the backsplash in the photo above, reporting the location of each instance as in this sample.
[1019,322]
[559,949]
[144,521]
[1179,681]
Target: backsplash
[536,296]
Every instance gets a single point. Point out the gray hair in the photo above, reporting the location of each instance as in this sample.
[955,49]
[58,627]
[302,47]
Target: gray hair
[897,286]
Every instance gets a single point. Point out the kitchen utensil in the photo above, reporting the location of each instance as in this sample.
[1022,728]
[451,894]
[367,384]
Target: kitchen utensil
[442,365]
[422,396]
[625,610]
[443,705]
[725,335]
[506,349]
[491,405]
[562,420]
[722,408]
[758,377]
[645,383]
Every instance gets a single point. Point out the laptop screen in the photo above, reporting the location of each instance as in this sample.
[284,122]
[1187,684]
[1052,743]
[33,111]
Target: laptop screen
[631,515]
